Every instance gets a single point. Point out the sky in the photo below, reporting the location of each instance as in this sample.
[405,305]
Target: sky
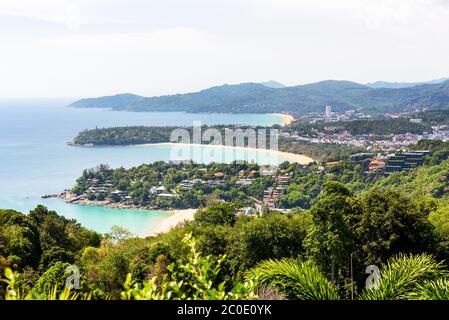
[86,48]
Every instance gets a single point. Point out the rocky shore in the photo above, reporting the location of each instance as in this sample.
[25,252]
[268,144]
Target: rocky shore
[174,218]
[69,197]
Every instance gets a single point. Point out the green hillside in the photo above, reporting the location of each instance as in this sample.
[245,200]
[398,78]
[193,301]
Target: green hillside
[258,98]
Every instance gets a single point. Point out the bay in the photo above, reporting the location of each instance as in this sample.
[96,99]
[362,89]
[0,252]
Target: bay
[35,159]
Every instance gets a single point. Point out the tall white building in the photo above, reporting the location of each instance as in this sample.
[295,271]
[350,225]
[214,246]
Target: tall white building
[328,111]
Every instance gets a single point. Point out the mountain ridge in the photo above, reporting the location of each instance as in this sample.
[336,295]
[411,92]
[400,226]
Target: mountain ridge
[258,98]
[273,84]
[399,85]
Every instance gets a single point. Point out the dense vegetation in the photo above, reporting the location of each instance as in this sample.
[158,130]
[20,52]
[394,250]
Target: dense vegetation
[384,126]
[397,85]
[376,126]
[303,255]
[40,245]
[215,183]
[123,136]
[257,98]
[343,220]
[319,151]
[218,183]
[428,180]
[143,134]
[322,152]
[435,117]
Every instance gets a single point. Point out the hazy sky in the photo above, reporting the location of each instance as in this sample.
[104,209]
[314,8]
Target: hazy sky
[57,48]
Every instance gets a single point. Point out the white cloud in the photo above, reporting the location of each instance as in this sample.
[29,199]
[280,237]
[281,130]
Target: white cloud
[48,10]
[146,63]
[94,47]
[378,14]
[176,40]
[373,13]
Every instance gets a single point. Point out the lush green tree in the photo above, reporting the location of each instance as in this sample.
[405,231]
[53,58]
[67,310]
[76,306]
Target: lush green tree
[27,280]
[119,234]
[272,236]
[194,277]
[14,290]
[20,238]
[293,199]
[105,268]
[140,196]
[212,239]
[144,262]
[216,215]
[331,241]
[391,224]
[440,220]
[54,255]
[55,279]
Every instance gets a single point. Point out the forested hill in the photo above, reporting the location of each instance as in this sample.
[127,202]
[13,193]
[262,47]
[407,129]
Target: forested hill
[397,85]
[258,98]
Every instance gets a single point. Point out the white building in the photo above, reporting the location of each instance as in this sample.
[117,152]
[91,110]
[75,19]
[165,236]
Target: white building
[328,111]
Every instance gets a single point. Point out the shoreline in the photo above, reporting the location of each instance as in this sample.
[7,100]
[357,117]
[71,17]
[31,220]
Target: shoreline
[286,118]
[287,156]
[174,218]
[70,198]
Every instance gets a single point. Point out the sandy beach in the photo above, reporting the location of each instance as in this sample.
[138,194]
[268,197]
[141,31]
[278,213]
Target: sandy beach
[286,118]
[284,156]
[175,218]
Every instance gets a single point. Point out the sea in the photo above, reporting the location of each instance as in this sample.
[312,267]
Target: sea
[35,159]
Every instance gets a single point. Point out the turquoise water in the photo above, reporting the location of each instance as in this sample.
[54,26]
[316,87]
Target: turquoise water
[35,160]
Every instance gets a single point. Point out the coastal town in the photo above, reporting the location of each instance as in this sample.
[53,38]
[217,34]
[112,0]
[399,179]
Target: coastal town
[104,192]
[334,132]
[378,155]
[259,188]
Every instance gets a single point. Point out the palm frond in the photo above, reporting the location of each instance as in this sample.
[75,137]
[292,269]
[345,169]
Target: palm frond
[434,290]
[401,276]
[298,280]
[67,294]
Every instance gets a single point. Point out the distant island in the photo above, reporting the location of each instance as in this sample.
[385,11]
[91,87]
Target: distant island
[273,97]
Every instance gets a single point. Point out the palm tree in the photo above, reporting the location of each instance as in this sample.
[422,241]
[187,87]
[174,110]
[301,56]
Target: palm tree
[404,277]
[298,280]
[409,277]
